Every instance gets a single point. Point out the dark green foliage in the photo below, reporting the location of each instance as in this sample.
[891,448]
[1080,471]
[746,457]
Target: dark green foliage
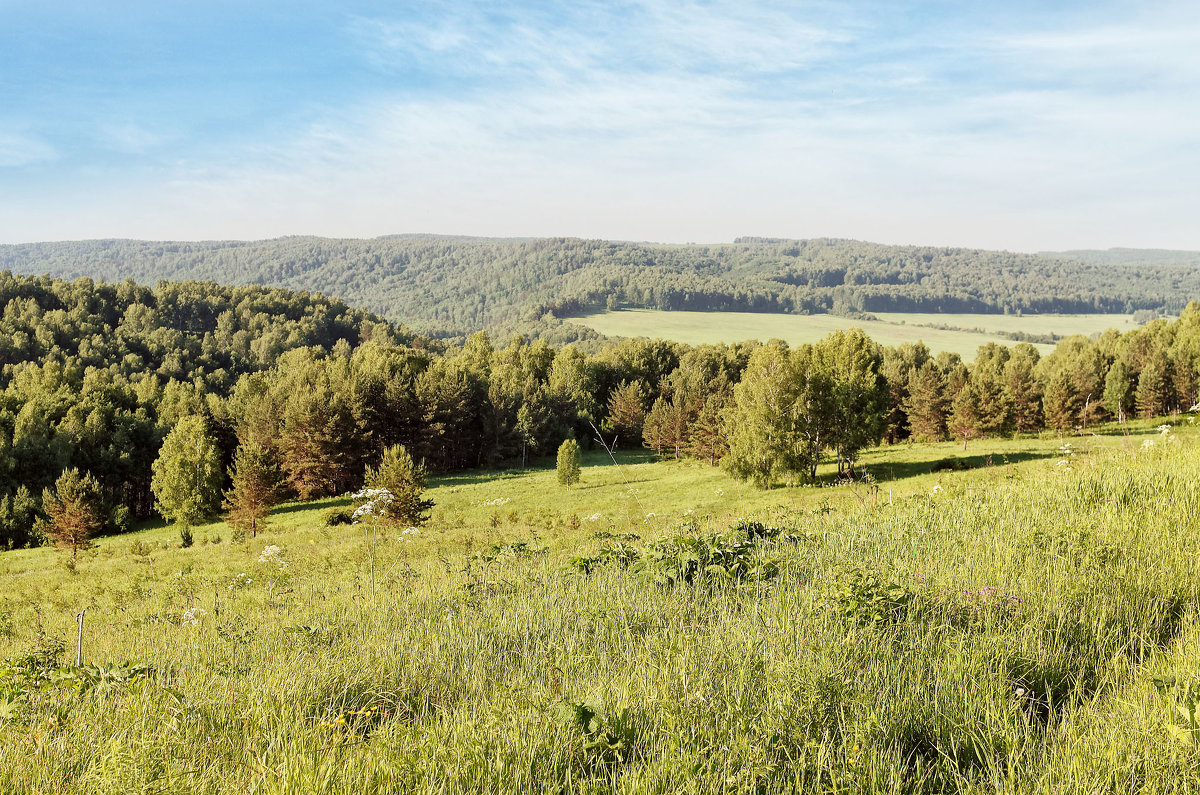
[406,481]
[338,516]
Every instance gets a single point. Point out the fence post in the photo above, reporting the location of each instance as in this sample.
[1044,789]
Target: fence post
[79,639]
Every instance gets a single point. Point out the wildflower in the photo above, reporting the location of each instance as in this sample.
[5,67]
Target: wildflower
[1147,444]
[377,503]
[719,492]
[1163,429]
[406,535]
[191,617]
[937,488]
[273,554]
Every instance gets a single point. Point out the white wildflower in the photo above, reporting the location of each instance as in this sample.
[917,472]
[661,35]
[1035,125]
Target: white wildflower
[273,554]
[1164,429]
[240,581]
[191,617]
[407,533]
[937,488]
[377,503]
[1147,443]
[719,492]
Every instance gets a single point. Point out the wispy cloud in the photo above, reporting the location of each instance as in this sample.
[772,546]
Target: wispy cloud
[22,149]
[693,120]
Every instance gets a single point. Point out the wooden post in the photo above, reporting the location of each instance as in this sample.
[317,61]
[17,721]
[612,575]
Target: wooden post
[79,639]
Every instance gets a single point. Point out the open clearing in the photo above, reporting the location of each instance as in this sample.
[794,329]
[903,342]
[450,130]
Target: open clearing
[1020,619]
[698,328]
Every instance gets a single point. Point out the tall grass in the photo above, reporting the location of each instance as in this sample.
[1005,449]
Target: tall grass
[1031,629]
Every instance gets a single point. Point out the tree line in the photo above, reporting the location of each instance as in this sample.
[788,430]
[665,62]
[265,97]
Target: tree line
[94,384]
[449,286]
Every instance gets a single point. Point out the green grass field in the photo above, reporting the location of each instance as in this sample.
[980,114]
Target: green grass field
[1021,620]
[697,328]
[1061,325]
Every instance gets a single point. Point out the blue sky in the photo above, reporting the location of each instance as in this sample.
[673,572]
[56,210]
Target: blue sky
[1018,125]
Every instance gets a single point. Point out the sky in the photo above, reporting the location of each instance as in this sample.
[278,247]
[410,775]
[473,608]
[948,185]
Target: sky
[1017,125]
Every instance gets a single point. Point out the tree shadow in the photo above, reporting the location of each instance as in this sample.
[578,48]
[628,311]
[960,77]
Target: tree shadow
[899,470]
[315,505]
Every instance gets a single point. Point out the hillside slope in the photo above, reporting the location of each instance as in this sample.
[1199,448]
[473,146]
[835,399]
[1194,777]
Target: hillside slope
[458,285]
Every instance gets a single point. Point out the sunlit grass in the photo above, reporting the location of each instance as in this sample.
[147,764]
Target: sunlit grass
[1026,625]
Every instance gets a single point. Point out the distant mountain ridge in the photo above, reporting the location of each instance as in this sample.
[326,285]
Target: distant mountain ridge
[457,285]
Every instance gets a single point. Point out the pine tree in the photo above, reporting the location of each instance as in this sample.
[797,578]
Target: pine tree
[1152,384]
[74,510]
[965,417]
[568,463]
[1060,402]
[406,480]
[187,473]
[254,489]
[1022,390]
[656,431]
[926,403]
[627,412]
[707,440]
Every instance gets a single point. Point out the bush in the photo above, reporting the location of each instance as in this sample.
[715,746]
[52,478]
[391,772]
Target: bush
[338,516]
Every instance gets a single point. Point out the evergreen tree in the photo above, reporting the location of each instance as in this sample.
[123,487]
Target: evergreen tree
[187,473]
[965,416]
[707,440]
[926,403]
[627,412]
[1059,402]
[568,463]
[1152,386]
[74,511]
[254,488]
[406,480]
[1022,390]
[656,431]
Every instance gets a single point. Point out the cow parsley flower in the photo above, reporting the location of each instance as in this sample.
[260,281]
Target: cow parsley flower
[273,554]
[192,616]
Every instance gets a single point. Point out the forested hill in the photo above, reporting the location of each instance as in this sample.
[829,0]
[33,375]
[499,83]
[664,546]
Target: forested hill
[459,285]
[1131,256]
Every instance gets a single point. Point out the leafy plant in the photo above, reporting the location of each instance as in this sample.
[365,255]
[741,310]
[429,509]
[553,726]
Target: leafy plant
[868,599]
[605,739]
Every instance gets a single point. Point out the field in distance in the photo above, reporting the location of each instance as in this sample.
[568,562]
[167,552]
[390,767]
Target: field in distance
[893,328]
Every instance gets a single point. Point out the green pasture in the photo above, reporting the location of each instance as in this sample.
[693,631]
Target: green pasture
[1060,325]
[697,328]
[1018,617]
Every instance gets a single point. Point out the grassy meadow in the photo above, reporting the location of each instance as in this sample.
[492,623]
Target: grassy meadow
[1019,617]
[698,328]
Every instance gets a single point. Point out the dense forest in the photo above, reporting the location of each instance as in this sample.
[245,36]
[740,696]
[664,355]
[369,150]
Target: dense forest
[1130,256]
[454,286]
[95,377]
